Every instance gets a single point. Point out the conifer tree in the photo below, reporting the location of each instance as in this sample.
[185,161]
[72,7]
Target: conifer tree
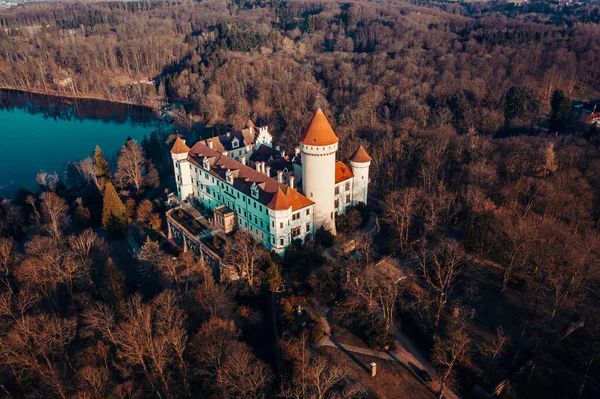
[114,214]
[101,168]
[274,278]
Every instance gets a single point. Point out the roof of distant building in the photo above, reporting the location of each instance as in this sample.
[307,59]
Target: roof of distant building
[342,172]
[319,131]
[225,142]
[360,155]
[179,147]
[264,153]
[244,177]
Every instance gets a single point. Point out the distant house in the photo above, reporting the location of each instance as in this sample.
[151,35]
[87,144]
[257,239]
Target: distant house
[588,112]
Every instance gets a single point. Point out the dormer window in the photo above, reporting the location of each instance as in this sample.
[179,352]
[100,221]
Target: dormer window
[229,176]
[254,190]
[235,143]
[206,164]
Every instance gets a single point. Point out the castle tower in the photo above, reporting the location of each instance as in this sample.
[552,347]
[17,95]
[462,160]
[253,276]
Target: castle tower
[359,163]
[183,171]
[318,147]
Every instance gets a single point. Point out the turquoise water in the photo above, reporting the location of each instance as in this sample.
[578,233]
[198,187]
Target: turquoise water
[44,133]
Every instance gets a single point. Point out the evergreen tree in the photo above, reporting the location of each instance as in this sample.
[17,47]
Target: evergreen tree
[520,104]
[101,168]
[274,278]
[561,111]
[114,214]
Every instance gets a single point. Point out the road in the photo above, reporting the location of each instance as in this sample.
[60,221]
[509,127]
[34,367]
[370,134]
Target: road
[405,354]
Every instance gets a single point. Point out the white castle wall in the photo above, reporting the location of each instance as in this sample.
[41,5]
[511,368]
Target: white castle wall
[361,182]
[318,181]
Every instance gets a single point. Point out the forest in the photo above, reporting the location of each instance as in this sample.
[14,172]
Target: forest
[485,184]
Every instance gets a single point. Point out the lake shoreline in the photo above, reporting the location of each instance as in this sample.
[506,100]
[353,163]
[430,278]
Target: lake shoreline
[77,97]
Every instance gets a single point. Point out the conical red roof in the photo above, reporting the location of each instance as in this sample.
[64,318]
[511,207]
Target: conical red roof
[179,147]
[360,155]
[319,131]
[279,202]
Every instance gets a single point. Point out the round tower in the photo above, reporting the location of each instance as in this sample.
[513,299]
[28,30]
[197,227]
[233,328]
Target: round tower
[183,172]
[359,163]
[318,147]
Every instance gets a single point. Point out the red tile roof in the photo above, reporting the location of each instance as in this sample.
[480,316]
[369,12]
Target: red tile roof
[179,147]
[279,202]
[319,131]
[245,176]
[360,155]
[342,172]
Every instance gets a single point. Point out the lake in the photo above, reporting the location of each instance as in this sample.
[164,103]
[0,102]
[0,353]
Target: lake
[40,132]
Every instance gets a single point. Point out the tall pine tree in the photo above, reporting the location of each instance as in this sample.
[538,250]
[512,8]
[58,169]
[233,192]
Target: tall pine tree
[101,168]
[561,111]
[114,214]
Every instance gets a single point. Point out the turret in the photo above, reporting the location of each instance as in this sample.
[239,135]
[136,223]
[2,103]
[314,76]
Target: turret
[183,171]
[359,163]
[318,147]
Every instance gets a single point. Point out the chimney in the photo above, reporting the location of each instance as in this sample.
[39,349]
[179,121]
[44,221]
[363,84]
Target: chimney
[210,144]
[257,166]
[243,159]
[262,167]
[297,150]
[280,176]
[268,171]
[282,153]
[373,369]
[291,181]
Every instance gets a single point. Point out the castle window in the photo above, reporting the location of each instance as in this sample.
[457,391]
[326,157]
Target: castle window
[308,227]
[235,143]
[229,177]
[337,190]
[206,165]
[296,232]
[347,186]
[337,203]
[281,241]
[281,225]
[254,190]
[347,198]
[308,212]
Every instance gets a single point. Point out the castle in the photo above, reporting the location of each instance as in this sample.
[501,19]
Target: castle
[274,196]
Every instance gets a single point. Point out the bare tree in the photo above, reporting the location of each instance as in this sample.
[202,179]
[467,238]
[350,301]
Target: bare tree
[130,165]
[82,246]
[400,208]
[314,377]
[54,212]
[440,270]
[149,337]
[244,254]
[243,375]
[449,352]
[36,348]
[47,180]
[7,257]
[87,170]
[491,350]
